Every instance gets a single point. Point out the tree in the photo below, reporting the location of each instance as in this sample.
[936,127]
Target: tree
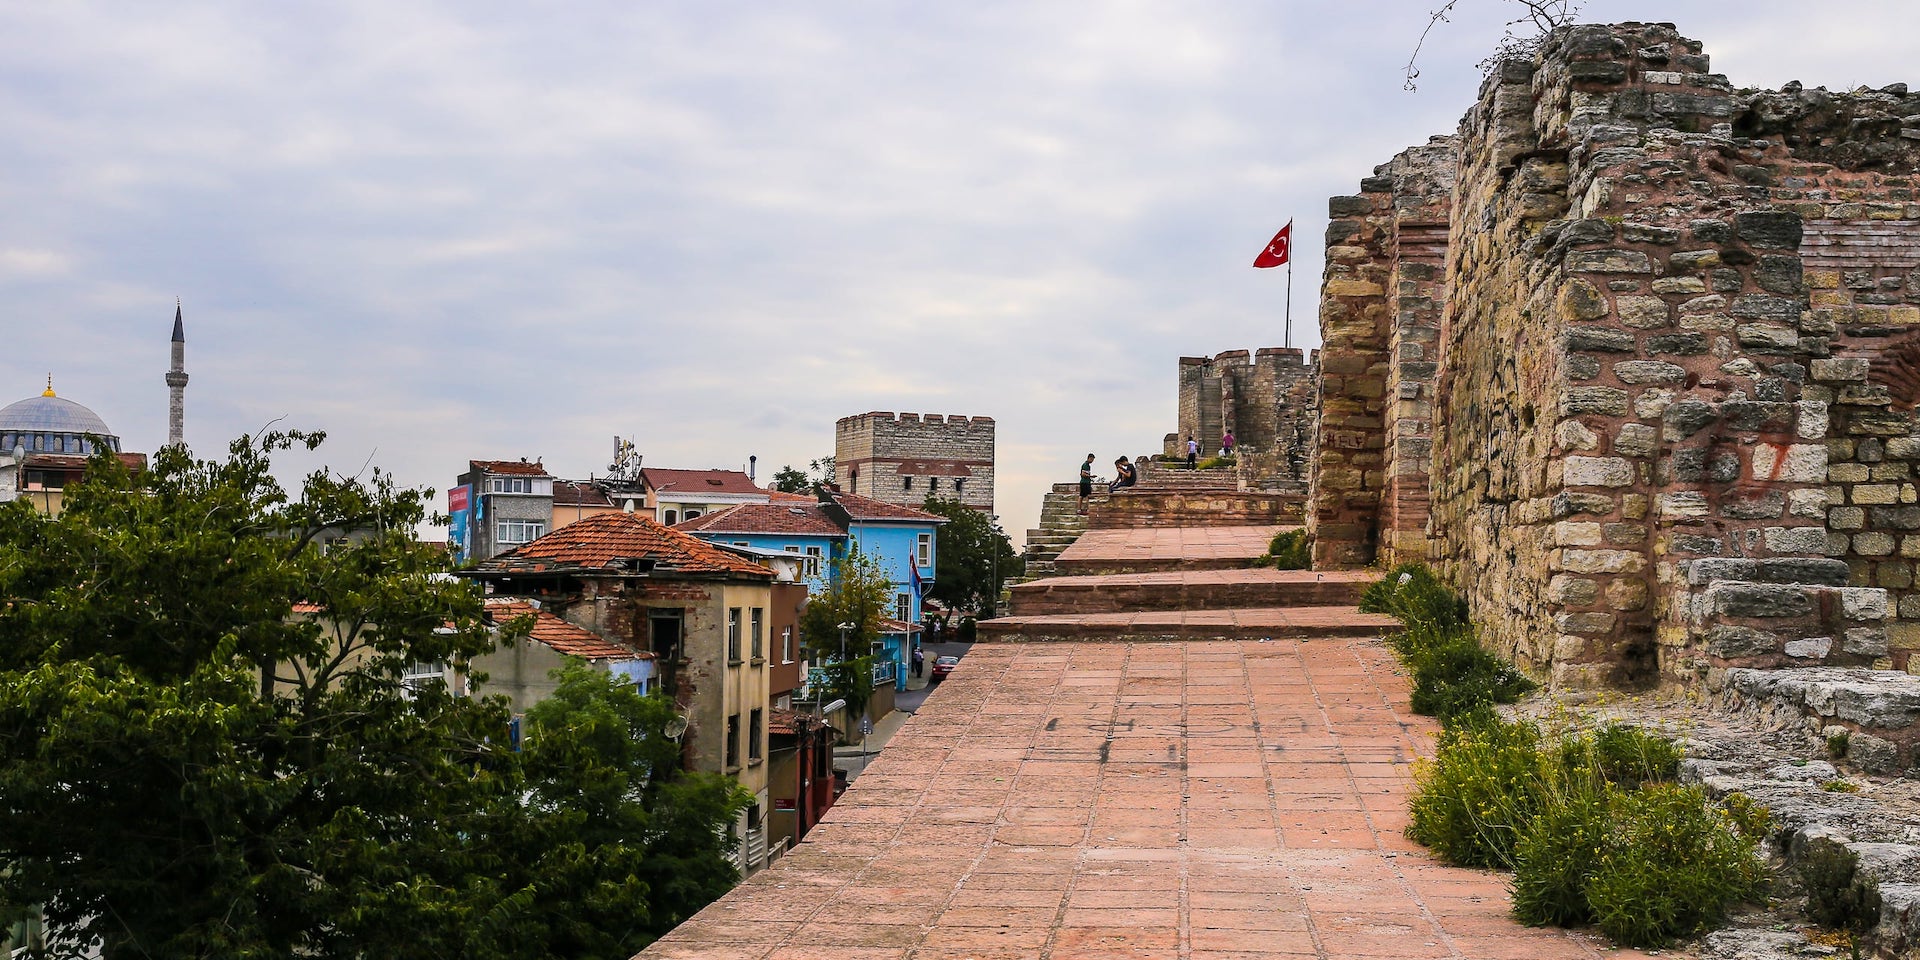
[972,559]
[789,480]
[192,766]
[823,470]
[854,591]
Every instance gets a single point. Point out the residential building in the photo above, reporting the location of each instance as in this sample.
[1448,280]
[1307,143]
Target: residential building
[679,495]
[522,669]
[900,538]
[702,612]
[498,505]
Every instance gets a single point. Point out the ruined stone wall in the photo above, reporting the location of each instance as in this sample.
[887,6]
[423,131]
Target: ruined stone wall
[902,458]
[1381,316]
[1669,433]
[1264,398]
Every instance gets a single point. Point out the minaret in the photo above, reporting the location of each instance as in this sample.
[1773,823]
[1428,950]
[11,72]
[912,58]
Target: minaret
[177,382]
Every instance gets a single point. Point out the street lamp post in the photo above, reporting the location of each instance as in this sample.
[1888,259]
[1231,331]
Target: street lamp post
[993,545]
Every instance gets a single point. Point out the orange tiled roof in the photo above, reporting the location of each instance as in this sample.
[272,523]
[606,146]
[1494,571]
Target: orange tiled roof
[78,461]
[517,467]
[786,517]
[602,540]
[700,481]
[781,496]
[867,508]
[573,493]
[559,634]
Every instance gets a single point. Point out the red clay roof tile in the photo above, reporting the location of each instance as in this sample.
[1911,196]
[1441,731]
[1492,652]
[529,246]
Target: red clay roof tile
[559,634]
[516,467]
[700,481]
[572,493]
[867,508]
[599,541]
[785,517]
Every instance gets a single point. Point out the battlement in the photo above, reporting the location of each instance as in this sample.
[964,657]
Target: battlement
[888,416]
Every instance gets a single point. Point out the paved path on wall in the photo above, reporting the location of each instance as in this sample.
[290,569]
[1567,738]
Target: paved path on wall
[1172,543]
[1249,622]
[1226,800]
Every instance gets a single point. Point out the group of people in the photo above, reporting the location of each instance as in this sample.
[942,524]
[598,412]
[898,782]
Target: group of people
[1124,474]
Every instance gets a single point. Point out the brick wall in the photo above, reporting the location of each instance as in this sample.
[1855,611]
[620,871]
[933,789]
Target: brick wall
[877,454]
[1671,402]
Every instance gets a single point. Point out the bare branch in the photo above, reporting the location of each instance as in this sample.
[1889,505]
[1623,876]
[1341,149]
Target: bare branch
[1542,16]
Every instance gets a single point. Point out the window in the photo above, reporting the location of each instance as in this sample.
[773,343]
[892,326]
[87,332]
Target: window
[813,561]
[923,550]
[733,741]
[417,676]
[511,485]
[742,543]
[691,514]
[754,733]
[520,531]
[759,627]
[733,634]
[933,484]
[906,483]
[786,645]
[902,606]
[670,517]
[957,481]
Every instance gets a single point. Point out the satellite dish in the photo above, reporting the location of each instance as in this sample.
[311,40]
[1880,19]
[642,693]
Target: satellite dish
[676,728]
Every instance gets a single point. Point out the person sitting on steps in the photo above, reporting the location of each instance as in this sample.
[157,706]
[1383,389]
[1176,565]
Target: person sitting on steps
[1124,475]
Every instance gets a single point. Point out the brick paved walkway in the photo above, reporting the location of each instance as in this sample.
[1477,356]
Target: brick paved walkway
[1229,800]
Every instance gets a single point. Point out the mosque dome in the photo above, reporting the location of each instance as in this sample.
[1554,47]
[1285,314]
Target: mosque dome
[51,424]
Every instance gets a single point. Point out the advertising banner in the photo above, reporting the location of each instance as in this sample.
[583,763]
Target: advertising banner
[458,500]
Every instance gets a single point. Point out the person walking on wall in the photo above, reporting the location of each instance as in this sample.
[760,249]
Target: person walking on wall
[1086,482]
[1123,474]
[1193,453]
[1226,444]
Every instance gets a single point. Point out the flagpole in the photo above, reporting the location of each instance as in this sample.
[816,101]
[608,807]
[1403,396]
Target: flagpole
[1289,296]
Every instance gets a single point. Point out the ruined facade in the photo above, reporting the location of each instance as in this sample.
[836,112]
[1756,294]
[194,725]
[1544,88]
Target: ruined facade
[1265,398]
[1633,358]
[904,458]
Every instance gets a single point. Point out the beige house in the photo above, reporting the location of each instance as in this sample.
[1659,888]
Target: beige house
[703,614]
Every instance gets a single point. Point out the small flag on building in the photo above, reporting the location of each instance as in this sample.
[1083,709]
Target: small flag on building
[1279,251]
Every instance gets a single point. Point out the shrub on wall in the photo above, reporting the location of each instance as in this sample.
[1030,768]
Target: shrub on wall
[1292,550]
[1591,822]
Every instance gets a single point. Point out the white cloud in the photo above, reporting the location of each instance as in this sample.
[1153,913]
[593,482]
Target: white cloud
[448,230]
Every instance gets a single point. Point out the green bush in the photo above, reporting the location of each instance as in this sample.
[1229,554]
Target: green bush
[1670,866]
[1477,794]
[1556,853]
[1291,550]
[966,631]
[1454,675]
[1839,896]
[1413,595]
[1625,755]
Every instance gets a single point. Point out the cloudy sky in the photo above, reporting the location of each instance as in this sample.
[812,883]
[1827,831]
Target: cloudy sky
[444,231]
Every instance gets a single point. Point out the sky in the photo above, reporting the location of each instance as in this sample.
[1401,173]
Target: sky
[483,230]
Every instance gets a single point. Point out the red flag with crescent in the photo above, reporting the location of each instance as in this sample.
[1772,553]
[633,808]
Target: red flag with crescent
[1279,251]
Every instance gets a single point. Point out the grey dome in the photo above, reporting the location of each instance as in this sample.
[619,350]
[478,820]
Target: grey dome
[51,424]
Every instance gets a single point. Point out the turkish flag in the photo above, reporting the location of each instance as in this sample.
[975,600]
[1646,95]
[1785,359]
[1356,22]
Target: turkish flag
[1279,251]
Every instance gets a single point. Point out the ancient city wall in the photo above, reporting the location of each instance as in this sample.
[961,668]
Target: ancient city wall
[1265,398]
[1671,422]
[902,458]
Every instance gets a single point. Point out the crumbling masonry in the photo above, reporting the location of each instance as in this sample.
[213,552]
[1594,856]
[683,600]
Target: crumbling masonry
[1266,399]
[1633,358]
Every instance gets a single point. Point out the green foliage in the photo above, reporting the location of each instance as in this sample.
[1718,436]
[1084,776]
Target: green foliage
[1753,821]
[1291,550]
[1215,462]
[789,480]
[190,767]
[1839,896]
[968,630]
[1481,790]
[1556,854]
[1671,866]
[852,681]
[1840,786]
[1413,595]
[1837,744]
[1623,755]
[972,558]
[855,591]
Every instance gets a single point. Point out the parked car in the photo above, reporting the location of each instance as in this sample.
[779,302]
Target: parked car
[944,666]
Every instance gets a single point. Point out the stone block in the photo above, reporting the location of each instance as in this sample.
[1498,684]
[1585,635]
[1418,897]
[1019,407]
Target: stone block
[1571,533]
[1636,440]
[1862,603]
[1599,472]
[1648,371]
[1769,229]
[1587,623]
[1687,505]
[1601,340]
[1607,401]
[1811,540]
[1760,601]
[1627,594]
[1572,591]
[1792,463]
[1846,518]
[1602,561]
[1840,368]
[1812,648]
[1609,261]
[1873,544]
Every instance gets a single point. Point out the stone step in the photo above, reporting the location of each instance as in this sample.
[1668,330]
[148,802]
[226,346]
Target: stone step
[1189,589]
[1193,508]
[1160,549]
[1246,623]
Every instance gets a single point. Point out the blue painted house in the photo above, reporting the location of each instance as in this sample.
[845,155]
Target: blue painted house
[828,527]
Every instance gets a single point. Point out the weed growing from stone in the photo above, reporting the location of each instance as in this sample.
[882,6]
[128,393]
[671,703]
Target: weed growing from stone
[1291,550]
[1839,896]
[1591,823]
